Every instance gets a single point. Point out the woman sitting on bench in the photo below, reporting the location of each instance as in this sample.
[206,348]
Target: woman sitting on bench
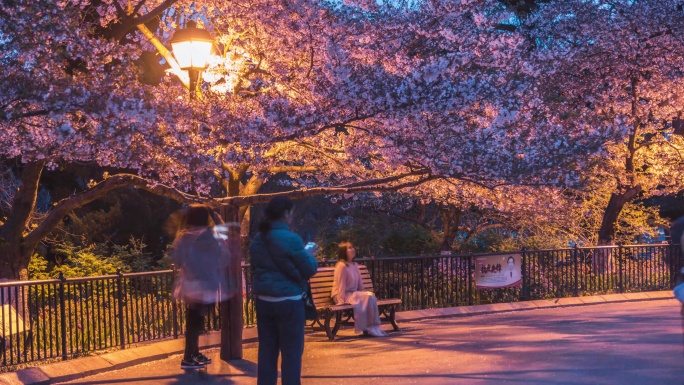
[348,288]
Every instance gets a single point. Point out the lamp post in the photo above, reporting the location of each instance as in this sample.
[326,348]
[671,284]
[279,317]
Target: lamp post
[192,47]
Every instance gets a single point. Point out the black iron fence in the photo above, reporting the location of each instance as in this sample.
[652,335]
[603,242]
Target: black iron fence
[64,318]
[445,281]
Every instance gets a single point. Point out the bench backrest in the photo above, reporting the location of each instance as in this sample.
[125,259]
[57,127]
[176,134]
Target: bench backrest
[322,282]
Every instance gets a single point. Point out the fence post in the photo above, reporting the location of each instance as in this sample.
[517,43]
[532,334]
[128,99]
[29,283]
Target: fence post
[470,280]
[62,315]
[675,262]
[669,257]
[423,287]
[174,303]
[619,263]
[524,290]
[120,295]
[575,261]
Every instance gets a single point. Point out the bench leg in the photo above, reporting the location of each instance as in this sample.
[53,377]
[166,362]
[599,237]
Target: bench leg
[317,321]
[392,320]
[326,325]
[338,323]
[347,313]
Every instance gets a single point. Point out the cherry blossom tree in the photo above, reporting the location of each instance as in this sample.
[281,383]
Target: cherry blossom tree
[616,65]
[455,213]
[345,98]
[535,217]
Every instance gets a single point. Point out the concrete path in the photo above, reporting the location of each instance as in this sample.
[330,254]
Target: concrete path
[624,343]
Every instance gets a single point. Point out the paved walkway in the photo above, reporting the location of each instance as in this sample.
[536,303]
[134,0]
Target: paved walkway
[619,339]
[609,343]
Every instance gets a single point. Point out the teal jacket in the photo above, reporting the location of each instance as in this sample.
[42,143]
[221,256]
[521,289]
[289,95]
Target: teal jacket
[280,265]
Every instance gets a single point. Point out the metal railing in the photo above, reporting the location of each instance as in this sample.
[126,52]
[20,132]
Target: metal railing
[65,318]
[445,281]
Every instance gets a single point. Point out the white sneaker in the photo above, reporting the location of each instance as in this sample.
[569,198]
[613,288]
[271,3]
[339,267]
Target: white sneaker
[375,331]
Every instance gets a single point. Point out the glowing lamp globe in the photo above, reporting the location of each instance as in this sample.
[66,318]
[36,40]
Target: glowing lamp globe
[192,47]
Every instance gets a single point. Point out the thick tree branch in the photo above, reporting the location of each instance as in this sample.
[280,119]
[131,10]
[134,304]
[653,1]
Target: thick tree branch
[331,158]
[168,56]
[324,152]
[130,21]
[65,206]
[224,182]
[252,186]
[388,179]
[318,130]
[239,172]
[30,114]
[478,229]
[277,169]
[304,193]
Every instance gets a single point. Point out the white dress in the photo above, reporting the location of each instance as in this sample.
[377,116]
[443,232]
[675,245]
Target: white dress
[348,288]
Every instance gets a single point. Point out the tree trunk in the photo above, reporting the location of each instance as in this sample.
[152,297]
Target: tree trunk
[14,261]
[245,214]
[606,234]
[15,253]
[602,259]
[450,218]
[231,310]
[14,267]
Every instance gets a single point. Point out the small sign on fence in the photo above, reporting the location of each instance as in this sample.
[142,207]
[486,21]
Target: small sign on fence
[11,322]
[496,271]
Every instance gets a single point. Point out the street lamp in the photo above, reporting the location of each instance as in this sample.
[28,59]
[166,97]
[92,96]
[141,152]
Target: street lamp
[192,47]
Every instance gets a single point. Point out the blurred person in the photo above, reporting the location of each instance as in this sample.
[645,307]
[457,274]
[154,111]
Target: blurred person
[679,293]
[348,288]
[676,237]
[203,260]
[281,268]
[676,231]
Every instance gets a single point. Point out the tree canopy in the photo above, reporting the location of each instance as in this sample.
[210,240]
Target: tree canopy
[617,65]
[343,96]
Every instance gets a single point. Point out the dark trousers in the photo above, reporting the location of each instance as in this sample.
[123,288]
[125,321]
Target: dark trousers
[194,323]
[281,330]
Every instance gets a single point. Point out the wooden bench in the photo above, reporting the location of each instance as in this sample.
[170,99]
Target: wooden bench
[321,287]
